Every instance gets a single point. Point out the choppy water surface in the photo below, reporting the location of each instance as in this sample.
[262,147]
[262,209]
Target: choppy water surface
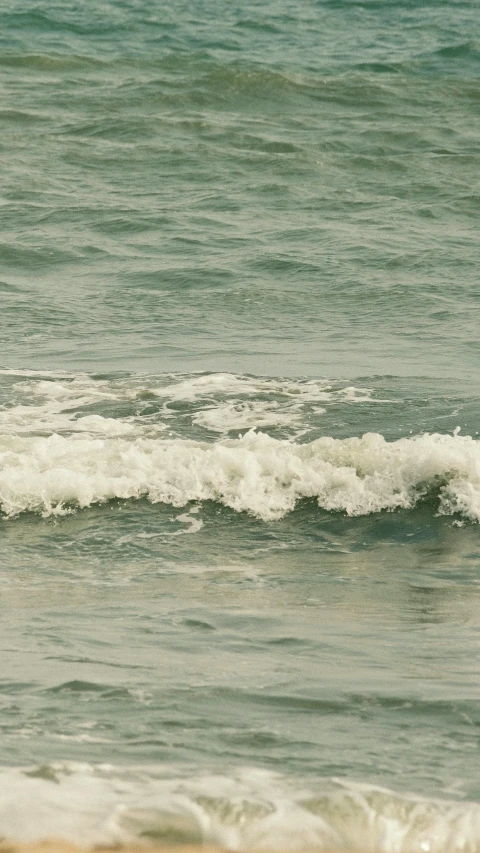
[239,418]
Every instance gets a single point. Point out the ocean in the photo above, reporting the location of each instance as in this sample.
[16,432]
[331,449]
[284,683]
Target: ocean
[239,423]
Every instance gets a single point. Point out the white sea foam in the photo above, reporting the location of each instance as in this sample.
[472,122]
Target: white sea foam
[256,473]
[219,402]
[239,415]
[248,809]
[194,387]
[49,405]
[68,441]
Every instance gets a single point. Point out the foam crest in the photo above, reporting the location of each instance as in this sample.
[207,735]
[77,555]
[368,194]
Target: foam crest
[256,473]
[247,809]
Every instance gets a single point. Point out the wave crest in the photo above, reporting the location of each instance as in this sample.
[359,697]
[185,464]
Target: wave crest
[256,473]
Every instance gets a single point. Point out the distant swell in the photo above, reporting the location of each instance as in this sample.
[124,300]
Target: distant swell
[256,473]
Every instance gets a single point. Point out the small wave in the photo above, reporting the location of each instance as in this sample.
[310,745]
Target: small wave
[74,440]
[50,62]
[256,473]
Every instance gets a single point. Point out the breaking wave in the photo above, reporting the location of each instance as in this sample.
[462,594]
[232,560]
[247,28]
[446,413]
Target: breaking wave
[255,473]
[249,809]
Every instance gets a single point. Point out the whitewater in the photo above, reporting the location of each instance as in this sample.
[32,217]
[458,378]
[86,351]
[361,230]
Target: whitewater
[247,810]
[256,473]
[57,452]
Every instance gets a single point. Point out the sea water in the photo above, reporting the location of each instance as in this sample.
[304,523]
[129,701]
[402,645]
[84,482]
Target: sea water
[239,418]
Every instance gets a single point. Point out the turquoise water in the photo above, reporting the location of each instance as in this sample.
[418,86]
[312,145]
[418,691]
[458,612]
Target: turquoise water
[239,418]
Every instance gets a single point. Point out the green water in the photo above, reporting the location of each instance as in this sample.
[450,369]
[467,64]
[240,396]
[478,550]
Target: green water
[234,240]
